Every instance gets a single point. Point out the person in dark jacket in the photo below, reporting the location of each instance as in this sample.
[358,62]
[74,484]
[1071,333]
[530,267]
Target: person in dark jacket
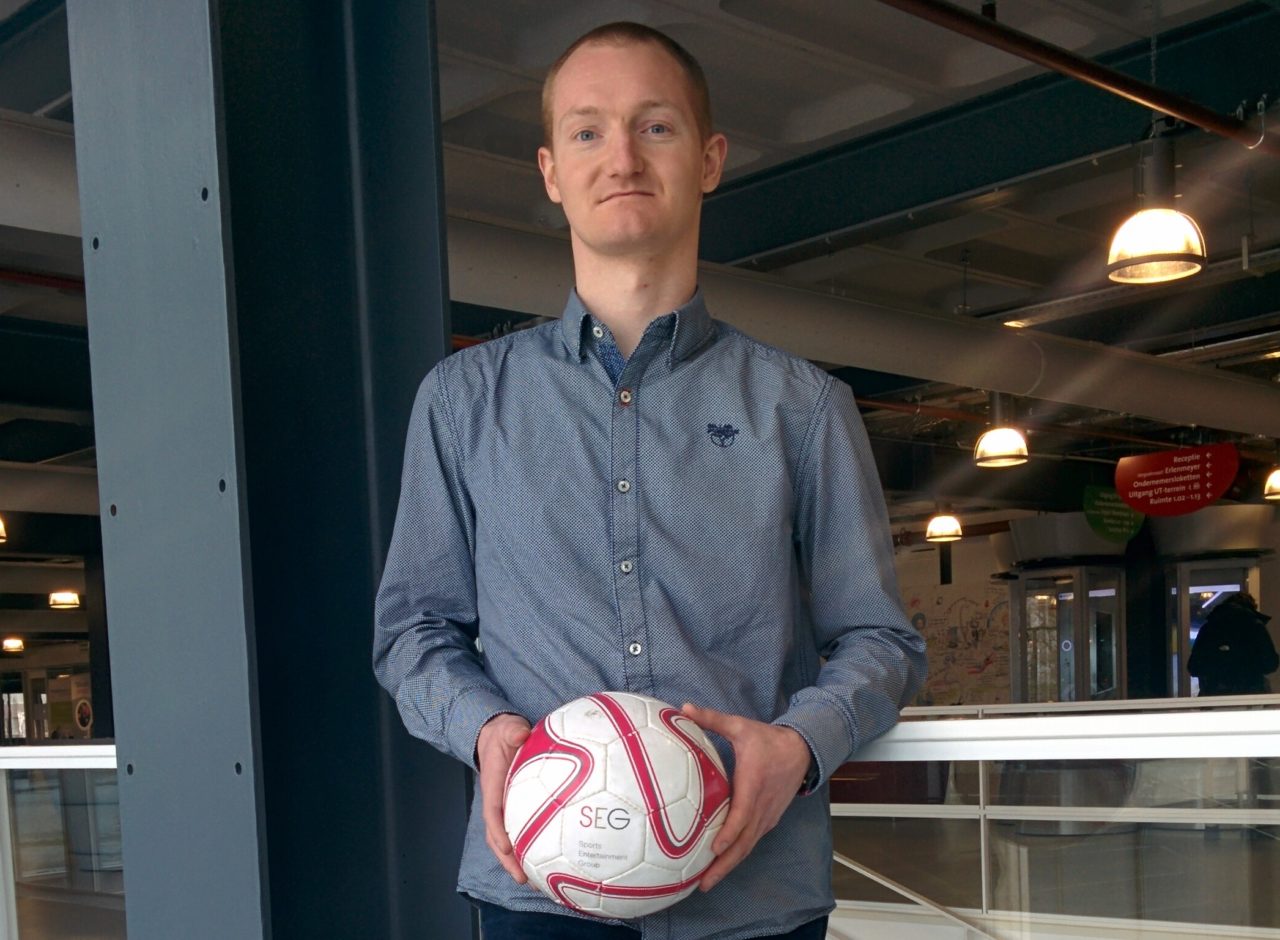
[1233,655]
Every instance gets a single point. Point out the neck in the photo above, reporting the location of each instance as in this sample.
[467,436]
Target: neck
[628,293]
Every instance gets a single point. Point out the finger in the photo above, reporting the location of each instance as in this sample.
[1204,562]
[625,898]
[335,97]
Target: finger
[495,829]
[727,861]
[508,861]
[734,824]
[709,719]
[514,736]
[492,786]
[495,832]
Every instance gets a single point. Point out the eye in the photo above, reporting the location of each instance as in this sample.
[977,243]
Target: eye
[658,130]
[584,135]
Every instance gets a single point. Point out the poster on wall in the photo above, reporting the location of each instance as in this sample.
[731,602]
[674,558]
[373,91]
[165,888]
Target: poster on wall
[966,628]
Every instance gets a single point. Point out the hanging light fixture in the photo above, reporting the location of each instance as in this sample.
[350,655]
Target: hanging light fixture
[1157,243]
[943,527]
[1001,445]
[13,644]
[1271,489]
[64,600]
[4,536]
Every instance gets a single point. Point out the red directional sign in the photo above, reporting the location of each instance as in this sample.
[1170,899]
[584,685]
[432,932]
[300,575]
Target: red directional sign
[1177,482]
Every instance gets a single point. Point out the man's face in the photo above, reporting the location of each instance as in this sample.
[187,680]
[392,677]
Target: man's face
[627,160]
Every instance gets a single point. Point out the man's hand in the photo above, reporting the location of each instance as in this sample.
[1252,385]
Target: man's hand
[496,747]
[770,764]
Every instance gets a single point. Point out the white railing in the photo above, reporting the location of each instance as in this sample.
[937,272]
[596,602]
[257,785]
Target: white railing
[58,757]
[1234,726]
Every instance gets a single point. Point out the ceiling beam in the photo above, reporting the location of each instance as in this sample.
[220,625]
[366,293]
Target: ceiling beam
[46,534]
[980,147]
[38,166]
[35,67]
[1137,318]
[21,577]
[10,411]
[536,274]
[31,622]
[45,366]
[45,488]
[949,474]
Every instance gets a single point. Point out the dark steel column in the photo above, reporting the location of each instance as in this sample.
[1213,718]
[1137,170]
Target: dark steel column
[261,201]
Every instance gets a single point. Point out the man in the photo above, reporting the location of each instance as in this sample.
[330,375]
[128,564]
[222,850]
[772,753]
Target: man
[640,498]
[1233,653]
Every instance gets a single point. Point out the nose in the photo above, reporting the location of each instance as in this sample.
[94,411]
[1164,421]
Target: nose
[624,155]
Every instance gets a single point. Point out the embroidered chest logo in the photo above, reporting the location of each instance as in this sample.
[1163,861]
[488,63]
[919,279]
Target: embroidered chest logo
[722,435]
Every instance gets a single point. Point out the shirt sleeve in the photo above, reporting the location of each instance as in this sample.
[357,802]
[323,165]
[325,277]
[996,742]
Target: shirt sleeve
[425,620]
[875,660]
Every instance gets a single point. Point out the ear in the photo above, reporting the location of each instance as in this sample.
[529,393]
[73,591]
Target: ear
[547,165]
[713,157]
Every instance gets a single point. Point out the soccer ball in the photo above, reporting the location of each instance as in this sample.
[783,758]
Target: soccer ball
[612,803]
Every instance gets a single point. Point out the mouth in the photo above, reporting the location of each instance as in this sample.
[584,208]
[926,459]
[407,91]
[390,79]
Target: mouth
[624,195]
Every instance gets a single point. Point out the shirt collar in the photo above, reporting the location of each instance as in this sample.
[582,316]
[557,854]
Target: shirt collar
[692,327]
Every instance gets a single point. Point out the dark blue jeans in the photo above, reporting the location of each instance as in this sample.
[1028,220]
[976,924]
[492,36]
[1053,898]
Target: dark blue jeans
[498,923]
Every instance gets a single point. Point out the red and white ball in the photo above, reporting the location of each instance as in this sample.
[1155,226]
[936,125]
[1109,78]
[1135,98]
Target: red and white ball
[612,804]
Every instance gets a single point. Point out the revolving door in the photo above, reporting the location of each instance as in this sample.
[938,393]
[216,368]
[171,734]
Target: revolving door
[1067,628]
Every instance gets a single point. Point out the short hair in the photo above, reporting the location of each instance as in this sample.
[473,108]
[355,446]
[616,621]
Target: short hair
[625,33]
[1243,599]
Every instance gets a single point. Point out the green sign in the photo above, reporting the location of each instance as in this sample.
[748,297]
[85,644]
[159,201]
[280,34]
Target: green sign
[1109,516]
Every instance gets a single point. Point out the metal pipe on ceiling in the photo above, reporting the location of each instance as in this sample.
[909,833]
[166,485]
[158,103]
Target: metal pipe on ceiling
[973,417]
[71,285]
[536,273]
[993,33]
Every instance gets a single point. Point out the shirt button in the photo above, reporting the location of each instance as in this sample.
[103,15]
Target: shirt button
[624,486]
[597,332]
[635,649]
[624,396]
[626,567]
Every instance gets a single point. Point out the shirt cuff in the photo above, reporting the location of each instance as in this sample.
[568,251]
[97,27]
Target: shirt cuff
[824,729]
[470,711]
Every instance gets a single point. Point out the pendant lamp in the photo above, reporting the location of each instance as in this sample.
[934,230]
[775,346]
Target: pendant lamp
[943,527]
[1001,445]
[1271,489]
[64,600]
[1157,243]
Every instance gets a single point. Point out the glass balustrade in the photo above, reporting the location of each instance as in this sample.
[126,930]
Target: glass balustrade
[1074,839]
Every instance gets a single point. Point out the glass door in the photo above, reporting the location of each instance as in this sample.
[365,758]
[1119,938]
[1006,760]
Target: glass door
[1104,623]
[1048,637]
[1198,587]
[1069,631]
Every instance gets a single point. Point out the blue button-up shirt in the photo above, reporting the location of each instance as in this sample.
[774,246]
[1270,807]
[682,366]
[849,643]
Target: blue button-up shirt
[704,526]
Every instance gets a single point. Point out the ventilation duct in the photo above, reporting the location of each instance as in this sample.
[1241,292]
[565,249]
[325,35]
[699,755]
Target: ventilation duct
[531,273]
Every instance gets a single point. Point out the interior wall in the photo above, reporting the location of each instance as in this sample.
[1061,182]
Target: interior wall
[971,560]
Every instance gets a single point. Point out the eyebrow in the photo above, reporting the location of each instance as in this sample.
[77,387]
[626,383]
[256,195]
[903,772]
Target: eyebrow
[653,104]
